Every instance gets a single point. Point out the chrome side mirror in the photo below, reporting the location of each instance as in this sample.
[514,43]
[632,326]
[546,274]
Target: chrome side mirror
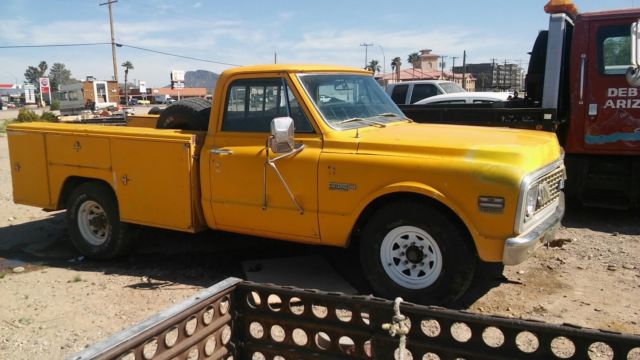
[633,72]
[281,135]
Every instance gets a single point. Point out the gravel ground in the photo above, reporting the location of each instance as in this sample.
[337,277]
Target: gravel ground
[55,303]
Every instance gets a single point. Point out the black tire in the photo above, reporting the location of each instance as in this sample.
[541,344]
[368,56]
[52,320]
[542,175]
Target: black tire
[155,111]
[187,114]
[394,221]
[103,236]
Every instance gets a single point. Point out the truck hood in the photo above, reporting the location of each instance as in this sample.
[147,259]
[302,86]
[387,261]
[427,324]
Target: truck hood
[527,149]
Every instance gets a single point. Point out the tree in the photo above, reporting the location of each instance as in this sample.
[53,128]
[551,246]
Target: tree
[59,75]
[414,60]
[395,66]
[33,73]
[374,66]
[127,65]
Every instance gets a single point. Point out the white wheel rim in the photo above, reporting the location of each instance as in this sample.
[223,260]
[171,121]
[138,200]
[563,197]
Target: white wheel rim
[93,223]
[411,257]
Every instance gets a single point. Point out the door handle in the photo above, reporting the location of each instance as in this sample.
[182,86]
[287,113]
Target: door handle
[583,64]
[221,151]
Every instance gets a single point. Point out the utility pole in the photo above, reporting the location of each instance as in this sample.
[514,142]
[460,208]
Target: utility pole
[275,57]
[384,67]
[464,69]
[113,40]
[453,66]
[493,73]
[504,75]
[442,65]
[366,48]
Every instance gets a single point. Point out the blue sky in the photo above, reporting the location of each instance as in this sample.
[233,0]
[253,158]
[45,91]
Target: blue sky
[250,31]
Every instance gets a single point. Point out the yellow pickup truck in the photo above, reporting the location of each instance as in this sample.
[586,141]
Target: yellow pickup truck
[310,154]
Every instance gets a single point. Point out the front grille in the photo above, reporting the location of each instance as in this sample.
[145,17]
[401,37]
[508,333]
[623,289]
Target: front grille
[553,181]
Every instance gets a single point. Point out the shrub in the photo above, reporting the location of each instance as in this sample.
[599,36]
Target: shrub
[55,105]
[48,116]
[25,114]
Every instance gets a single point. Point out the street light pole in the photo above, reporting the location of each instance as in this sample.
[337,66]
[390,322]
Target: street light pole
[113,40]
[384,66]
[366,48]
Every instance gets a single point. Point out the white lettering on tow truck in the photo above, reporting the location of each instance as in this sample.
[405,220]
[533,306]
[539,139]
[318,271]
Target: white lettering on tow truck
[614,100]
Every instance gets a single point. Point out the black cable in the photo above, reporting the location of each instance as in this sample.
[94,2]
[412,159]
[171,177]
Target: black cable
[50,45]
[176,55]
[118,45]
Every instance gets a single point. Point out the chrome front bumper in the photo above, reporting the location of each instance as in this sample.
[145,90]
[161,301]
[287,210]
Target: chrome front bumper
[518,249]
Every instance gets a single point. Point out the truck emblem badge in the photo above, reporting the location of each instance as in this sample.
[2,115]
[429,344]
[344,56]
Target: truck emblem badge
[17,167]
[341,187]
[125,180]
[76,146]
[544,193]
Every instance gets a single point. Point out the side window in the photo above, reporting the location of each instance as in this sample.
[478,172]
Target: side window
[423,91]
[252,104]
[399,94]
[614,49]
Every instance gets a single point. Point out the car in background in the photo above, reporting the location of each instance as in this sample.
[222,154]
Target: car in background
[466,98]
[408,92]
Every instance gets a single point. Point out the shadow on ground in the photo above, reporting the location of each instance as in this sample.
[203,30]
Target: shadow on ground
[625,222]
[161,257]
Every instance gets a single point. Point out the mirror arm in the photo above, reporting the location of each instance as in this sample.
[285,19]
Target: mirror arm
[271,164]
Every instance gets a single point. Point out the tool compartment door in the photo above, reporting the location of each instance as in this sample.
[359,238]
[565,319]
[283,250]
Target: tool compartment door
[152,180]
[29,169]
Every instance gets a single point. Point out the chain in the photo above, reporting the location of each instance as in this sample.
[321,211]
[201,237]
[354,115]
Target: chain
[399,325]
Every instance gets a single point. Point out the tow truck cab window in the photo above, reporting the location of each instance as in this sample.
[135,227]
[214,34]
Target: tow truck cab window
[252,103]
[614,49]
[399,94]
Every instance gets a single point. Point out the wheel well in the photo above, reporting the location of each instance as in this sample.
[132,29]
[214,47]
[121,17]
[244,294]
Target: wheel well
[407,196]
[72,183]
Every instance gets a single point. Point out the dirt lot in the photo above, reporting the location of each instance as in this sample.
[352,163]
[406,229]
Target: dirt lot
[55,303]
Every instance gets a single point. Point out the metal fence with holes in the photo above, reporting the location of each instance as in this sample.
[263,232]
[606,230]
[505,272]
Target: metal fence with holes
[243,320]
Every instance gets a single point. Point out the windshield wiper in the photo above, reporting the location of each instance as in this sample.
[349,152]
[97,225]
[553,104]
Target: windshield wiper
[363,120]
[390,114]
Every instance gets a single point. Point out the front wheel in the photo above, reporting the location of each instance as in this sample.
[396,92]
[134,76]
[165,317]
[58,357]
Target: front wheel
[415,251]
[94,222]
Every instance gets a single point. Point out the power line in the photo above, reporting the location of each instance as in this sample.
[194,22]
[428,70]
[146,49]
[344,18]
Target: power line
[118,45]
[175,55]
[51,45]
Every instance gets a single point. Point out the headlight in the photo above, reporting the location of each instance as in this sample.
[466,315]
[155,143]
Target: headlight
[531,201]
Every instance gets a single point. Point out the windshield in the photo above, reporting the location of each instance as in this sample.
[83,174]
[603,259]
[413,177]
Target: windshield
[348,101]
[451,87]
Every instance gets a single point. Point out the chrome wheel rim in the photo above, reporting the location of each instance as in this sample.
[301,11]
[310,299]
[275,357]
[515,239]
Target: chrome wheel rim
[93,223]
[411,257]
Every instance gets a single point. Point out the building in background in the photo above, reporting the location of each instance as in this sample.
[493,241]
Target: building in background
[90,94]
[495,76]
[428,69]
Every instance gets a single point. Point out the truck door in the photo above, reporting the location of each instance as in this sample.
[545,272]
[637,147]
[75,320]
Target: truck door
[237,168]
[613,106]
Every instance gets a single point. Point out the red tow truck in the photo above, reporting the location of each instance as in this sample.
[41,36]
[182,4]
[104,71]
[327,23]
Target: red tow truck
[582,83]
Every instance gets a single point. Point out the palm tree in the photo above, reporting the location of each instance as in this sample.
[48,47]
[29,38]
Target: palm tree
[414,60]
[395,66]
[127,65]
[374,66]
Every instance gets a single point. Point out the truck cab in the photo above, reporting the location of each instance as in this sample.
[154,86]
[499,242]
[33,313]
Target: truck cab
[580,68]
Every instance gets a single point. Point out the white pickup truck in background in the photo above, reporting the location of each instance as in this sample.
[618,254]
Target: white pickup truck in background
[408,92]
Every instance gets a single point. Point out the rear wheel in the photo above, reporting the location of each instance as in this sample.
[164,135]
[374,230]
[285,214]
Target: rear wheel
[94,222]
[187,114]
[413,250]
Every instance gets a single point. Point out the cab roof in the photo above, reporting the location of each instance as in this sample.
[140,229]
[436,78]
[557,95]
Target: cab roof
[293,68]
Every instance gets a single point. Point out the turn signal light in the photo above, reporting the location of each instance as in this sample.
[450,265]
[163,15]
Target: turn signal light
[561,6]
